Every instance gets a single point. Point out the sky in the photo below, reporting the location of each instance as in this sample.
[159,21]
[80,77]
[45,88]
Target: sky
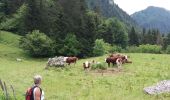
[132,6]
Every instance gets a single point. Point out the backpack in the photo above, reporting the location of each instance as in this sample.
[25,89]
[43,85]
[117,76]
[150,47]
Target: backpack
[29,93]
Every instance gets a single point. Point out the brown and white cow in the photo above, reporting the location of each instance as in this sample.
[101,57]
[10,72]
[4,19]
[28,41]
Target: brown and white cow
[114,60]
[86,65]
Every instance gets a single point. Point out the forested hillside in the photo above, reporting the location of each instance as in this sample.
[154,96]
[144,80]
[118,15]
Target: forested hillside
[67,24]
[153,17]
[80,28]
[109,9]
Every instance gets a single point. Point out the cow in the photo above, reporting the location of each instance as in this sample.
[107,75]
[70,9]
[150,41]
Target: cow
[70,60]
[86,65]
[114,60]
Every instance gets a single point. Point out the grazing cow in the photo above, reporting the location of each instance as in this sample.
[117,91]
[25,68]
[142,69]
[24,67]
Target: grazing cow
[86,65]
[70,60]
[112,60]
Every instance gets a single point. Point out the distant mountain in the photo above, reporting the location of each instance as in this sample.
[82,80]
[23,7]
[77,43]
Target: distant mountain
[108,9]
[153,17]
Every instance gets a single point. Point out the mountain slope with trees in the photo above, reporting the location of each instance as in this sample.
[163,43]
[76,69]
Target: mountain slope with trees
[153,17]
[54,20]
[70,28]
[108,8]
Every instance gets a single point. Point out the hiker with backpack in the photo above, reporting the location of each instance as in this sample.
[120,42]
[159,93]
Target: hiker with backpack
[35,92]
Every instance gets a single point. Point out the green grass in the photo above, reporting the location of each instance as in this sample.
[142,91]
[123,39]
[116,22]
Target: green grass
[72,83]
[9,38]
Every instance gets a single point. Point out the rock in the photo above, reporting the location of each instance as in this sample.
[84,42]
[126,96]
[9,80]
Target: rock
[161,87]
[56,61]
[18,59]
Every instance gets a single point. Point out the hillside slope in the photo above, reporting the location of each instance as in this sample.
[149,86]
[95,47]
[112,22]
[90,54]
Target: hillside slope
[153,17]
[9,38]
[9,46]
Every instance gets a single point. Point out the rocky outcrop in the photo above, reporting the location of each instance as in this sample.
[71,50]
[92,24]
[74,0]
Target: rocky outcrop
[161,87]
[56,61]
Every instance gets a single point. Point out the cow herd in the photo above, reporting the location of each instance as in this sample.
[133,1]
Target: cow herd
[115,58]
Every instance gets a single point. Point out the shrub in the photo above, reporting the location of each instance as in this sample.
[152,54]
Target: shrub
[101,66]
[37,44]
[102,48]
[168,49]
[116,49]
[98,49]
[145,49]
[107,48]
[133,49]
[71,45]
[150,48]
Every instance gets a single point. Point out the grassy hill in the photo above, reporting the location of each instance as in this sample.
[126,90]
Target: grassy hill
[72,83]
[9,38]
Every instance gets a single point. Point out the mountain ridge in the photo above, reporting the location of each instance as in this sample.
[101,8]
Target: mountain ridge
[153,17]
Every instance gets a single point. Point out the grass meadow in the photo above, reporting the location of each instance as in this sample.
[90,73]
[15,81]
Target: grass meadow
[72,83]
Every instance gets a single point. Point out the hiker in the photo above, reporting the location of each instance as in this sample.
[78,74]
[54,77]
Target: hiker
[35,92]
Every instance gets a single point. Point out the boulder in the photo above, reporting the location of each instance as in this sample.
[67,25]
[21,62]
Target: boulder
[56,61]
[160,87]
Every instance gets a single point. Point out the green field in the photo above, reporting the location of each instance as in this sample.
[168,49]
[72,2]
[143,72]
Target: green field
[72,83]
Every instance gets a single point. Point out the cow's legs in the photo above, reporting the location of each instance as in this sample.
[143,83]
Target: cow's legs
[109,64]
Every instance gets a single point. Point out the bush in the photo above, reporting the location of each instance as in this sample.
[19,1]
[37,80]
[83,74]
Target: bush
[37,44]
[71,45]
[150,48]
[107,48]
[101,66]
[168,49]
[102,48]
[116,49]
[133,49]
[145,49]
[98,49]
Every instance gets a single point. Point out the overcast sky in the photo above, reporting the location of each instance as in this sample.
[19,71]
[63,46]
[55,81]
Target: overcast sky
[131,6]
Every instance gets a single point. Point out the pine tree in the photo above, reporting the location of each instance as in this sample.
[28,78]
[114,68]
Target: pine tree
[142,36]
[166,41]
[133,37]
[34,18]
